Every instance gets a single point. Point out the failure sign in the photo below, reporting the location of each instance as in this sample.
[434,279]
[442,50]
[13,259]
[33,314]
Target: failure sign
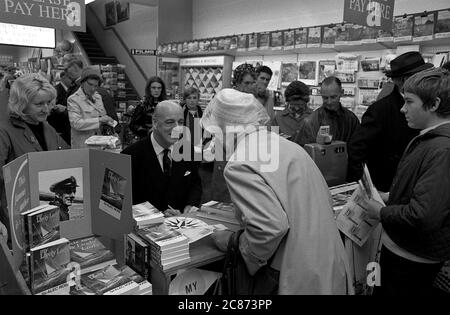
[371,13]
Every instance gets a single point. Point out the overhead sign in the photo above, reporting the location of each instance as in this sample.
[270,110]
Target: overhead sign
[144,52]
[202,61]
[372,13]
[60,14]
[23,35]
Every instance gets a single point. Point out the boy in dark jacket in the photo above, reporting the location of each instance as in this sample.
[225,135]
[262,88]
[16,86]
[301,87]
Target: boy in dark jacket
[416,220]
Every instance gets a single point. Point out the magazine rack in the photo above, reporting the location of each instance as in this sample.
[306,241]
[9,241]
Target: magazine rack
[102,202]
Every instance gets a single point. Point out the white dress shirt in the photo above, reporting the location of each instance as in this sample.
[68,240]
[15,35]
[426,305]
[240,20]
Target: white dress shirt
[159,150]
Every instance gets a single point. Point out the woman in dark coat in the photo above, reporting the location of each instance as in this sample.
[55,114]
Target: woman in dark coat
[30,100]
[141,121]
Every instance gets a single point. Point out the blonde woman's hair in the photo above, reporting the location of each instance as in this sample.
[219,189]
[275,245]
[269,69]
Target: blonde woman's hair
[23,91]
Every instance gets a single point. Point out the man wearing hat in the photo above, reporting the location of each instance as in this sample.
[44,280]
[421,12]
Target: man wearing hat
[86,110]
[292,118]
[281,199]
[384,133]
[64,196]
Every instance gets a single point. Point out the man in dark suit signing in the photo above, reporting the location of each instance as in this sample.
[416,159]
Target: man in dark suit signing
[159,178]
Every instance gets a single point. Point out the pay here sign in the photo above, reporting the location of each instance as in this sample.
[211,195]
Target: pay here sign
[371,13]
[59,14]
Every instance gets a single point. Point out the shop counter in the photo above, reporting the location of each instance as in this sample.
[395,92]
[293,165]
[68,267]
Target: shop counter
[202,252]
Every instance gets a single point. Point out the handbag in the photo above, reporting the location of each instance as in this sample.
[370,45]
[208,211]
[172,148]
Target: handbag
[236,280]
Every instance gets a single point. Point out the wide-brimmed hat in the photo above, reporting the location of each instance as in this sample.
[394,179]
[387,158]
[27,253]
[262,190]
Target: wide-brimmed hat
[231,107]
[408,64]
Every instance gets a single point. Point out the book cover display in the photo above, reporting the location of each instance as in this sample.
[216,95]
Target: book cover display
[443,24]
[403,28]
[242,43]
[90,254]
[314,37]
[327,68]
[289,39]
[289,73]
[137,254]
[29,175]
[252,42]
[41,226]
[308,72]
[109,280]
[369,35]
[329,37]
[276,41]
[423,27]
[301,37]
[355,34]
[264,40]
[48,265]
[342,34]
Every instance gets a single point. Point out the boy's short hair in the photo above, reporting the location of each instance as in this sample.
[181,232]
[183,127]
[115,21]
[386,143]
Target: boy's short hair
[264,69]
[429,85]
[190,91]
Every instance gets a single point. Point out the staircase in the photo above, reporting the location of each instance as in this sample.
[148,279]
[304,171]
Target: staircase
[98,57]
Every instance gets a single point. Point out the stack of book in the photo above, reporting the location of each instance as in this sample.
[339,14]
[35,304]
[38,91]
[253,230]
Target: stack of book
[90,254]
[109,280]
[169,248]
[48,268]
[146,214]
[137,254]
[219,211]
[41,225]
[46,254]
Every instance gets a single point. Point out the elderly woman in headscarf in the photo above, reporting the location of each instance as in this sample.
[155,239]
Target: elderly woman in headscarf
[26,130]
[290,237]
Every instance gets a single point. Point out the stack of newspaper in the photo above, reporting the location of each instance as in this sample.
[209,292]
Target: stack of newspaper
[169,248]
[353,220]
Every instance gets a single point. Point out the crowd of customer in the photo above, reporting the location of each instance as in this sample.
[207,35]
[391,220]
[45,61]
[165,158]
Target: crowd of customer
[283,202]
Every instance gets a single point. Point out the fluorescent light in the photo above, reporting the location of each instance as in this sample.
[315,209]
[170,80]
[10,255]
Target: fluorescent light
[88,1]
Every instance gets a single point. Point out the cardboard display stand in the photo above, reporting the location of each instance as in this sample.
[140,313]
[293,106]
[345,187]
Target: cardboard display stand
[102,202]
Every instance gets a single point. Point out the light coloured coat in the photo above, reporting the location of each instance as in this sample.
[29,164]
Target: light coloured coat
[84,117]
[287,214]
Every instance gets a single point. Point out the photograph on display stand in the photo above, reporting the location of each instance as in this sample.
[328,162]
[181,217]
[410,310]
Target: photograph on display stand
[63,188]
[113,192]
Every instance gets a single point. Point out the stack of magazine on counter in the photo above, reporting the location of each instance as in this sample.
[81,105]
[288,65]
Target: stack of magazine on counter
[146,214]
[169,248]
[113,280]
[219,211]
